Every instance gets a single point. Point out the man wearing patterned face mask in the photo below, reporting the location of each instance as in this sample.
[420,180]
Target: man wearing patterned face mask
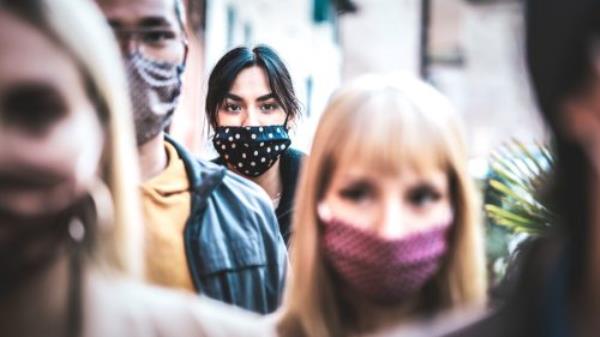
[181,194]
[155,89]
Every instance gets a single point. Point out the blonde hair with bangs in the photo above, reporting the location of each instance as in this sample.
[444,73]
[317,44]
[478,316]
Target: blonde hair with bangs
[387,122]
[81,29]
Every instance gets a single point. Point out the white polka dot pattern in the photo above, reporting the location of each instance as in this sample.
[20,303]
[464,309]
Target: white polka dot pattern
[241,147]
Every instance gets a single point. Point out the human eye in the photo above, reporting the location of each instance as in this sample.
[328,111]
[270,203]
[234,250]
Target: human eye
[232,107]
[33,107]
[270,106]
[423,195]
[158,36]
[358,192]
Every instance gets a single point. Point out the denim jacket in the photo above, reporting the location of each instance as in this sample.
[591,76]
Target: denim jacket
[233,245]
[291,162]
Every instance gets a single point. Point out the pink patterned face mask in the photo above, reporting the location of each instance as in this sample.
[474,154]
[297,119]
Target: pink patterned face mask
[384,271]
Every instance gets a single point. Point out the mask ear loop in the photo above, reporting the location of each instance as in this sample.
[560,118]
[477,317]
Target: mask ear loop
[183,64]
[287,116]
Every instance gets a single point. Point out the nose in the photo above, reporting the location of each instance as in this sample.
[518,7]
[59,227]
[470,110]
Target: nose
[251,117]
[393,222]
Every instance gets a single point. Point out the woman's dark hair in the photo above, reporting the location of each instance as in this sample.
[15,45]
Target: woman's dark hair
[559,40]
[231,64]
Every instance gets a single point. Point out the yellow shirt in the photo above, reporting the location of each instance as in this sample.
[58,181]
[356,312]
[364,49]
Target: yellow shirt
[166,202]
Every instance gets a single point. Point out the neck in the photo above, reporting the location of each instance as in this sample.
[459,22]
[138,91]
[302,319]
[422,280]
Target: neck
[270,181]
[371,317]
[40,306]
[152,157]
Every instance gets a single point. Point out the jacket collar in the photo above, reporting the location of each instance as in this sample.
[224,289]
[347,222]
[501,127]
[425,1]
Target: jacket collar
[204,177]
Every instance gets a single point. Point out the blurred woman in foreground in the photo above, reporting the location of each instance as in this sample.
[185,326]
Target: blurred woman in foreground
[386,224]
[70,234]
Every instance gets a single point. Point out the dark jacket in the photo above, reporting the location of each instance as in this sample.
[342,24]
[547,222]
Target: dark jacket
[289,168]
[233,246]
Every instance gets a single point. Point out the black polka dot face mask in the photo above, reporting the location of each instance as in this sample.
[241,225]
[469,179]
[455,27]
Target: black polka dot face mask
[251,150]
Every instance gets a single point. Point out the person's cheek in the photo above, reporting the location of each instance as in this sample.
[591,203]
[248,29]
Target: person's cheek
[229,120]
[444,214]
[73,152]
[279,117]
[360,215]
[75,147]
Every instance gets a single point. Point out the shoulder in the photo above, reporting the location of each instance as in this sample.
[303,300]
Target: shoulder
[237,208]
[143,310]
[232,206]
[291,164]
[294,156]
[200,172]
[252,198]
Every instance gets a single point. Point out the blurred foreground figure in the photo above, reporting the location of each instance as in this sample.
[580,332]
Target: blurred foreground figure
[558,293]
[70,236]
[209,231]
[387,224]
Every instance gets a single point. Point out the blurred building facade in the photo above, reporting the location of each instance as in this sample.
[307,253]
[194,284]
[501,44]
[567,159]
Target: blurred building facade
[474,55]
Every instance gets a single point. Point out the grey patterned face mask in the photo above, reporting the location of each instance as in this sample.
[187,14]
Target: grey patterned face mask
[155,88]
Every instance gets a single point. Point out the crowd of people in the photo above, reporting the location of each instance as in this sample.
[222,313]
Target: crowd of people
[110,227]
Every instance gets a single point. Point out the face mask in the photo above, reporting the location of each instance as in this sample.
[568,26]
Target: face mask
[55,209]
[251,150]
[383,271]
[32,243]
[155,88]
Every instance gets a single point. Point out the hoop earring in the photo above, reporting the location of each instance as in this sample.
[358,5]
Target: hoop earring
[95,213]
[103,204]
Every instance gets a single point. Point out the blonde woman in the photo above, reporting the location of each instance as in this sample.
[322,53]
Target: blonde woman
[387,217]
[70,236]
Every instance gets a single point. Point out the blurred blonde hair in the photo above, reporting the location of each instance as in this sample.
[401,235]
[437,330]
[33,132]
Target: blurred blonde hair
[80,28]
[387,122]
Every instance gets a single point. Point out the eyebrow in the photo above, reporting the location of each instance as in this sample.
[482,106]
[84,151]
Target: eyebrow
[259,99]
[234,97]
[154,21]
[149,21]
[266,97]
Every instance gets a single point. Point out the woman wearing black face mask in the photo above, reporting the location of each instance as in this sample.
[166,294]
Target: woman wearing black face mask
[70,235]
[251,105]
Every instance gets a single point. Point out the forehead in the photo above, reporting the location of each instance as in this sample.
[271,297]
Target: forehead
[32,56]
[359,168]
[253,78]
[135,12]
